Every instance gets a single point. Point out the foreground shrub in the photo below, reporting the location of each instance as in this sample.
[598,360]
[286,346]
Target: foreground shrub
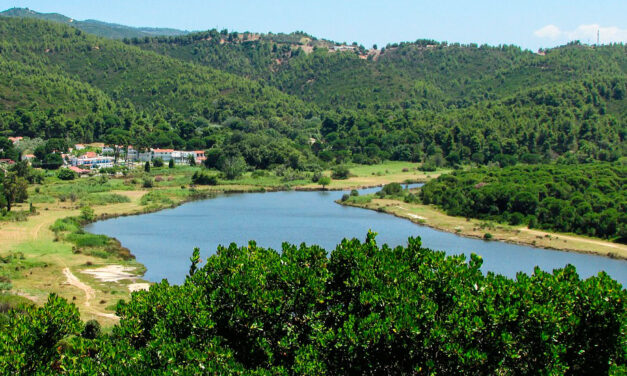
[363,309]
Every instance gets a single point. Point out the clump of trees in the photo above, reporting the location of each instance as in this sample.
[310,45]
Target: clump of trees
[13,189]
[66,174]
[587,199]
[362,309]
[202,178]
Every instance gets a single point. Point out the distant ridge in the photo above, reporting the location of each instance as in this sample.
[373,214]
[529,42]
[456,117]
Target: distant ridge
[100,28]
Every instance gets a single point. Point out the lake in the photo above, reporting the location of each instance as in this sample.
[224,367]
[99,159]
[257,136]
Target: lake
[164,241]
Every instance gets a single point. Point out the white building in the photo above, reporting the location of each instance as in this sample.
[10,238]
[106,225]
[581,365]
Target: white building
[179,156]
[91,160]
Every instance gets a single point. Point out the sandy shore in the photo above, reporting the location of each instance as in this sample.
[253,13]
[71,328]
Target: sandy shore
[430,216]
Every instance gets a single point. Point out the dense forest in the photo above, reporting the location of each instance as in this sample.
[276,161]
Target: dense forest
[289,97]
[360,310]
[588,199]
[103,29]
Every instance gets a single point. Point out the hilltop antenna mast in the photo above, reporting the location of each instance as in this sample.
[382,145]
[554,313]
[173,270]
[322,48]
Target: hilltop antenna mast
[598,36]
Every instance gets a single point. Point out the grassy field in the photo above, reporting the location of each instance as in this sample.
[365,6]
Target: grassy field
[377,175]
[430,216]
[36,261]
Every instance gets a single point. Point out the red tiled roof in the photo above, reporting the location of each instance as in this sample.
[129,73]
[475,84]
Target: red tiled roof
[163,150]
[78,169]
[90,154]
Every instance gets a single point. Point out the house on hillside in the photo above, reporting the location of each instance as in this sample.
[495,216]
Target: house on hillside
[178,156]
[133,155]
[79,170]
[15,140]
[28,158]
[164,154]
[91,160]
[200,156]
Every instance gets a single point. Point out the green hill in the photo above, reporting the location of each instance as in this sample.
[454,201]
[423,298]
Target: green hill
[420,74]
[103,29]
[160,100]
[267,96]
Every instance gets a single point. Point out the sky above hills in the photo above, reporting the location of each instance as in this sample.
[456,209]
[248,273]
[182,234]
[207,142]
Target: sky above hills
[530,24]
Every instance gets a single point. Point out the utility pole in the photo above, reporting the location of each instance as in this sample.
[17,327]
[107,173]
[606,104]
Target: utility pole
[598,36]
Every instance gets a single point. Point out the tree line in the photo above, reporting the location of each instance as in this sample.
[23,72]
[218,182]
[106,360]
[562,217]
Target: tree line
[587,199]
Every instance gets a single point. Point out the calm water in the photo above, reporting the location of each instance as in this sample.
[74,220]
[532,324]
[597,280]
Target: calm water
[164,241]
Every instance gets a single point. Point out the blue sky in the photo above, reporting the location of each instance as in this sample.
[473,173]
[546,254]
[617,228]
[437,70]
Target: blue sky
[527,23]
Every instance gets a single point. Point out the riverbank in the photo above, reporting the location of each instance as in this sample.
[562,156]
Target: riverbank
[431,216]
[38,261]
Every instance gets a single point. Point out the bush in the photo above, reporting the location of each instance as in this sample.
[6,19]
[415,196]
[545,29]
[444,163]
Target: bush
[147,166]
[354,193]
[148,183]
[65,225]
[157,162]
[87,240]
[340,173]
[516,219]
[315,177]
[155,198]
[428,167]
[66,174]
[487,236]
[91,330]
[200,178]
[87,214]
[171,163]
[391,189]
[345,197]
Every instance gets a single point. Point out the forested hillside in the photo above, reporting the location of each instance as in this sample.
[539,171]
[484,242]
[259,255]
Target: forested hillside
[404,74]
[141,96]
[103,29]
[289,95]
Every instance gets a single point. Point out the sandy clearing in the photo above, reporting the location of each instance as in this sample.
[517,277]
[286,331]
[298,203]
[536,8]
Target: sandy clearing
[138,286]
[112,273]
[411,215]
[27,296]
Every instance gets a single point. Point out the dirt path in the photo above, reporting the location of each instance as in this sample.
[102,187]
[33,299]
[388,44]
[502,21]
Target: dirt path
[36,232]
[74,281]
[90,293]
[579,239]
